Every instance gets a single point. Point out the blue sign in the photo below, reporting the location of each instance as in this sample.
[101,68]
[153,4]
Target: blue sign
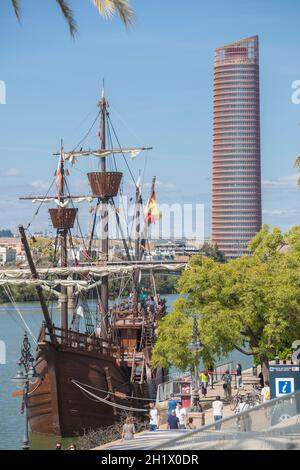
[284,379]
[284,386]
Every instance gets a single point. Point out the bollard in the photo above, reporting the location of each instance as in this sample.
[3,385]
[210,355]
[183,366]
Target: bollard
[202,419]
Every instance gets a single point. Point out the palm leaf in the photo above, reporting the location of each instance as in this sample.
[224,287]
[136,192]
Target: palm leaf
[297,165]
[107,8]
[16,6]
[297,162]
[68,14]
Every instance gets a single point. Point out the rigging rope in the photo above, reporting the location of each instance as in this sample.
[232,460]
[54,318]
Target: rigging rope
[40,205]
[88,132]
[116,137]
[11,298]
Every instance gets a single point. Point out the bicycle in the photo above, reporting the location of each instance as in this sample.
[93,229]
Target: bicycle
[236,400]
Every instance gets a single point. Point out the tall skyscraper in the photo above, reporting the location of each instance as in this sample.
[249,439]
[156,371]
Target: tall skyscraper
[236,192]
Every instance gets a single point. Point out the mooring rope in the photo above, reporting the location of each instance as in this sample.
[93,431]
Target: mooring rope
[103,400]
[113,393]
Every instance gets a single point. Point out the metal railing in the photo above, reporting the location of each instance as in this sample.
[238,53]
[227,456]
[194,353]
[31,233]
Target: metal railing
[165,389]
[271,425]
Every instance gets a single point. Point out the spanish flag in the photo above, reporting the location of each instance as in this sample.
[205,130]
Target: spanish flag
[152,212]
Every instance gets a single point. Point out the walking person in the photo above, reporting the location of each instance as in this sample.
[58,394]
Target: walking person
[217,412]
[190,425]
[204,382]
[172,403]
[173,421]
[181,415]
[239,378]
[128,429]
[210,373]
[226,378]
[244,421]
[154,417]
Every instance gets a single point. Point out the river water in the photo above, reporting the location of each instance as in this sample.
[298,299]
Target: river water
[11,333]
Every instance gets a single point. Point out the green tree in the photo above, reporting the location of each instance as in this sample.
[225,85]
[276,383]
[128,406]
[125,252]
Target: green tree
[42,250]
[213,251]
[106,9]
[251,304]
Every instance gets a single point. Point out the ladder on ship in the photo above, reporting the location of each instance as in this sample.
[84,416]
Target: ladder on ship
[138,368]
[148,335]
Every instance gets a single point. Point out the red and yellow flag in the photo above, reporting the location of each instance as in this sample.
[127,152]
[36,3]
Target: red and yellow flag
[152,212]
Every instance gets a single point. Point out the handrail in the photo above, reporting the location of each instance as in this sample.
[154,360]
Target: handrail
[272,404]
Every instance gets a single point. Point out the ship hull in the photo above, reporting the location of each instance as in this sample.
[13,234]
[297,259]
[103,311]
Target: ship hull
[56,406]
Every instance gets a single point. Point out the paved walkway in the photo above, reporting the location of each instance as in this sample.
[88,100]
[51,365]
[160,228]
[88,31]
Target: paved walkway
[147,440]
[143,441]
[284,436]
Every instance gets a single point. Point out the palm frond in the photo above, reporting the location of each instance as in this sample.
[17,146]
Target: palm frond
[68,14]
[107,8]
[297,162]
[16,6]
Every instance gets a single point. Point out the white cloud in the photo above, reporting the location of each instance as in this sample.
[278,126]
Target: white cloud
[280,212]
[289,181]
[40,184]
[162,186]
[13,172]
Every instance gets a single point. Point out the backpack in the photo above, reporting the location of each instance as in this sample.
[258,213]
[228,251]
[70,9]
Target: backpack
[267,394]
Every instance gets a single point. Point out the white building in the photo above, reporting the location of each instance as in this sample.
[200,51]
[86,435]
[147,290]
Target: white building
[8,255]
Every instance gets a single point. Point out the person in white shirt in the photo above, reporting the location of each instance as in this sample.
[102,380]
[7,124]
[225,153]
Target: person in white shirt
[217,412]
[154,417]
[181,415]
[244,421]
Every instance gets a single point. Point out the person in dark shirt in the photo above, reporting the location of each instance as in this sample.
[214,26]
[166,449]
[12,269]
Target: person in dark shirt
[173,421]
[239,379]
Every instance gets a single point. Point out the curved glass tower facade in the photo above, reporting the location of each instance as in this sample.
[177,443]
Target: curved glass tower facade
[236,192]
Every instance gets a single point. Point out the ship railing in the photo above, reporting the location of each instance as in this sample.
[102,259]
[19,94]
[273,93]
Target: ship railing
[82,341]
[125,321]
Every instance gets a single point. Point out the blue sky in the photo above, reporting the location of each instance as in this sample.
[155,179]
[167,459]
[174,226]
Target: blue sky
[159,82]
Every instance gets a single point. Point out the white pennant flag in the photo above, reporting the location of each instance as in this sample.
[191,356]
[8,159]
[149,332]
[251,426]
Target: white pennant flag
[135,153]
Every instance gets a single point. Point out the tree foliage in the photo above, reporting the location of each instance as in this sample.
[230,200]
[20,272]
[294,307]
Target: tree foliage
[251,304]
[42,250]
[106,8]
[213,251]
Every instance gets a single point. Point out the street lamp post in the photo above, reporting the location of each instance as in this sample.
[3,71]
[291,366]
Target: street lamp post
[195,346]
[25,375]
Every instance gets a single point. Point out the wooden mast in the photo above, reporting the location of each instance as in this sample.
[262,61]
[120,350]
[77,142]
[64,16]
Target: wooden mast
[138,205]
[104,219]
[63,255]
[39,289]
[144,236]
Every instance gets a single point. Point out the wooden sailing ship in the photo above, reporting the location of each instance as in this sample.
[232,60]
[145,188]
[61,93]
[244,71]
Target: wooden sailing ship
[88,378]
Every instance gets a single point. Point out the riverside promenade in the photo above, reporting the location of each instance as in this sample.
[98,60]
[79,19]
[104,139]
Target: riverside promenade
[147,440]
